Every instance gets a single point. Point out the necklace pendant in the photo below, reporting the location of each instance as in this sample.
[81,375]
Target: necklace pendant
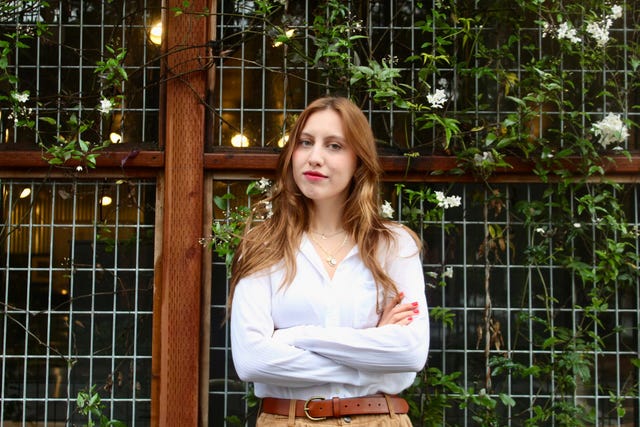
[332,261]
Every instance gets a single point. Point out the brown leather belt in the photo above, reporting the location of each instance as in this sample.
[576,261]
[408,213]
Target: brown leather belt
[318,408]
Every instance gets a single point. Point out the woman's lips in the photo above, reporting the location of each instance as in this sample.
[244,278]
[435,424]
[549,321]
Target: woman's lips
[314,176]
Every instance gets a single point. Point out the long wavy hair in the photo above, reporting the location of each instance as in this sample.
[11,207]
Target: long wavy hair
[275,240]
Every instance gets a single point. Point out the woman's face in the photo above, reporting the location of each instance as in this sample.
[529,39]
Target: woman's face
[323,162]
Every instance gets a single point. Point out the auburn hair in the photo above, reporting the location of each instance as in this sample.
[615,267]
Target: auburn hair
[276,239]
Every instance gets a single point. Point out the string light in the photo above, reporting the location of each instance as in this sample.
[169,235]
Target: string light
[115,138]
[283,141]
[26,192]
[239,140]
[155,34]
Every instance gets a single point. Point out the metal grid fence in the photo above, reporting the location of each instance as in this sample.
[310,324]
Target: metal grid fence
[76,293]
[454,244]
[57,68]
[259,89]
[260,86]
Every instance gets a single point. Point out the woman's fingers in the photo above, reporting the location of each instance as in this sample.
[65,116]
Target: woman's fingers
[398,314]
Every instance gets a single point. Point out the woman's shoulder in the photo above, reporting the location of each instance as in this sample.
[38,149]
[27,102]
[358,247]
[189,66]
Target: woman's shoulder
[399,229]
[403,236]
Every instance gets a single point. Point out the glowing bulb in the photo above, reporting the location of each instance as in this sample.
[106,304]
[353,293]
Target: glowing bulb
[25,193]
[155,34]
[115,137]
[64,292]
[239,140]
[106,201]
[283,141]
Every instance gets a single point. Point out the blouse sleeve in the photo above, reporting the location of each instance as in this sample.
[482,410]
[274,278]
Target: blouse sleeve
[258,357]
[386,349]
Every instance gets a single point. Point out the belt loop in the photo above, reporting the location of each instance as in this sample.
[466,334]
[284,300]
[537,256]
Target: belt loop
[392,413]
[292,413]
[336,407]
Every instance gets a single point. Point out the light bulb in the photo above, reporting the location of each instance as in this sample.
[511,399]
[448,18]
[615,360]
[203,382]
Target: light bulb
[155,34]
[239,140]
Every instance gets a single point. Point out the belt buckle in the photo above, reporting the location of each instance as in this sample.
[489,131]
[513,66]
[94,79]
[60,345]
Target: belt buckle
[306,409]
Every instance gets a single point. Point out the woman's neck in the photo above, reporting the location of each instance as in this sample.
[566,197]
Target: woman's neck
[326,220]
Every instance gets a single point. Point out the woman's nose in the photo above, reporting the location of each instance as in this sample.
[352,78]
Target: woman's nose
[315,156]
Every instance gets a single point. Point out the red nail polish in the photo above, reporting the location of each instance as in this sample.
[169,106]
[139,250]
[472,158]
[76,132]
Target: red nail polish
[410,319]
[416,311]
[415,304]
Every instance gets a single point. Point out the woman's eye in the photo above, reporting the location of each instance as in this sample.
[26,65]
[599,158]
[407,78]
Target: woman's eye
[305,143]
[335,146]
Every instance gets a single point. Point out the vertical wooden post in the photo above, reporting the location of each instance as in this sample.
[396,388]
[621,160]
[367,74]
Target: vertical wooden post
[176,366]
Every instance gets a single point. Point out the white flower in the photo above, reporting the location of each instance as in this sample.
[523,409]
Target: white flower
[447,202]
[79,168]
[599,32]
[437,99]
[386,210]
[263,185]
[566,31]
[105,106]
[432,274]
[616,12]
[443,83]
[577,225]
[448,273]
[611,130]
[20,97]
[541,230]
[481,159]
[269,208]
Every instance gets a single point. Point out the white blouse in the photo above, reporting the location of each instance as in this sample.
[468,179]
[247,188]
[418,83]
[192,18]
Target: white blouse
[318,337]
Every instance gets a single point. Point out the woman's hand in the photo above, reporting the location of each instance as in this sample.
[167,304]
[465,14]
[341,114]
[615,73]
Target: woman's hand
[396,313]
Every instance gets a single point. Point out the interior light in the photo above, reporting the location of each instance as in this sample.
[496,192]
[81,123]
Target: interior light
[6,136]
[64,291]
[26,192]
[115,138]
[283,141]
[239,140]
[106,200]
[155,34]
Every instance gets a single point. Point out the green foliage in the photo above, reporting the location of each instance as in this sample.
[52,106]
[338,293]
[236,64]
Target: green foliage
[89,404]
[69,135]
[226,235]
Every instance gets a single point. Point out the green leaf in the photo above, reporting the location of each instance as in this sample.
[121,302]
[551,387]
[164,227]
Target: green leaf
[49,120]
[507,400]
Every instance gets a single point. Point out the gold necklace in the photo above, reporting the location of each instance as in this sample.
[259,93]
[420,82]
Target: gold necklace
[331,259]
[324,236]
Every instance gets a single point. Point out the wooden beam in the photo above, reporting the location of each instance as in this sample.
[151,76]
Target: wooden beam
[177,398]
[259,163]
[235,163]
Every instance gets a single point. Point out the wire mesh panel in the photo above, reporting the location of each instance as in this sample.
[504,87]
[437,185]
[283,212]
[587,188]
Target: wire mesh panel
[64,62]
[463,60]
[76,289]
[503,306]
[526,316]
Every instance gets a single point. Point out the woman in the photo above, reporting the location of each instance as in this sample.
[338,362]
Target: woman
[328,309]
